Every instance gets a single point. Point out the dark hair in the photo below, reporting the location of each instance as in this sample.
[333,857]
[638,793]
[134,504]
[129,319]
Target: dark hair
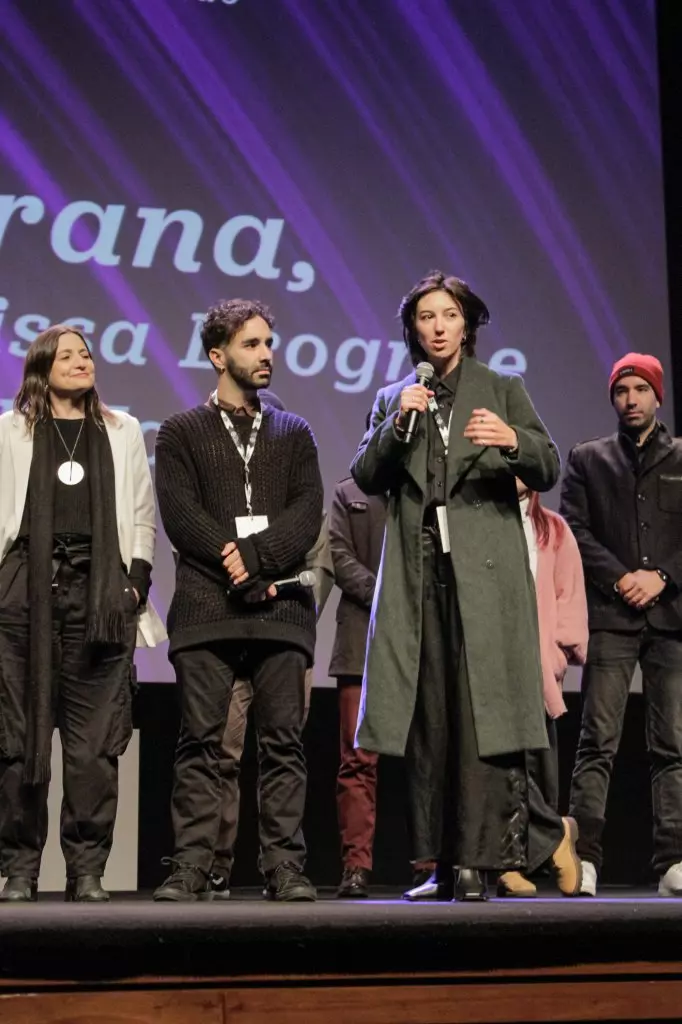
[32,400]
[541,522]
[474,310]
[368,421]
[228,316]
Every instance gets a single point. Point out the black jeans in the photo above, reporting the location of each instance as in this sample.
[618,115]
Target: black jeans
[462,809]
[92,698]
[205,677]
[611,661]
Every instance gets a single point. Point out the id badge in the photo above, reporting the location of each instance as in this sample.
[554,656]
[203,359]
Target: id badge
[246,525]
[443,532]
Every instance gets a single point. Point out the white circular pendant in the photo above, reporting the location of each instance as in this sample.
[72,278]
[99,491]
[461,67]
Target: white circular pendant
[71,473]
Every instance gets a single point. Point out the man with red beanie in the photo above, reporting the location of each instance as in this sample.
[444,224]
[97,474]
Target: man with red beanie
[622,497]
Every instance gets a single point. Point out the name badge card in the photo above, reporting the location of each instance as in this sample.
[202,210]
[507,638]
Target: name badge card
[246,525]
[443,531]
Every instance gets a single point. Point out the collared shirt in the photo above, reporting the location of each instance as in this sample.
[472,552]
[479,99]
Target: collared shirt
[241,416]
[640,454]
[436,464]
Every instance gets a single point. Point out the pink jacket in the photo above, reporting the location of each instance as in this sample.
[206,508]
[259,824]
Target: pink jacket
[562,612]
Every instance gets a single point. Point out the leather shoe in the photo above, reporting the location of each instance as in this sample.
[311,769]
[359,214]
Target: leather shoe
[565,861]
[514,884]
[20,889]
[287,884]
[186,883]
[470,887]
[85,889]
[354,884]
[437,885]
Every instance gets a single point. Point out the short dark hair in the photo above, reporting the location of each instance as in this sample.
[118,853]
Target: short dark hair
[228,316]
[474,310]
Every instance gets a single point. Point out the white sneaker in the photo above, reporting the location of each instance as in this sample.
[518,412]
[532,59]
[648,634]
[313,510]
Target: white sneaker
[671,882]
[589,882]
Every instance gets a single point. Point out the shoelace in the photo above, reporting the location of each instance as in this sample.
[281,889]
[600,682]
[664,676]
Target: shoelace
[289,866]
[182,870]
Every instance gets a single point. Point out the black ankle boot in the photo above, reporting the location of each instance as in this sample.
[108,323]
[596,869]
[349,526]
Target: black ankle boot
[85,889]
[20,889]
[470,886]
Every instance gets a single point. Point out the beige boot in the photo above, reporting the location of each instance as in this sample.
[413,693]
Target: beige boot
[513,883]
[566,862]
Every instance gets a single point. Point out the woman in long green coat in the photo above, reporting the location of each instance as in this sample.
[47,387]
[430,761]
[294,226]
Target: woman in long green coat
[452,677]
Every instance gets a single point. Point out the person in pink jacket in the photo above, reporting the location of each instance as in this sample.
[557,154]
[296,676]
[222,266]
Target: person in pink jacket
[562,616]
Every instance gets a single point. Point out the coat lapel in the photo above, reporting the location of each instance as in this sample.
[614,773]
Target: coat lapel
[21,443]
[117,439]
[473,392]
[663,445]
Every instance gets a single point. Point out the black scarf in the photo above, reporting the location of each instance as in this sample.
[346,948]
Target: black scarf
[106,622]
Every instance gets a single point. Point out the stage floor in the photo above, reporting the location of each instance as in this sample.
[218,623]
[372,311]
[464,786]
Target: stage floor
[248,935]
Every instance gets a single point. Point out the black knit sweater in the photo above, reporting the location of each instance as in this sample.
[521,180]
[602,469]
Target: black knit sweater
[200,487]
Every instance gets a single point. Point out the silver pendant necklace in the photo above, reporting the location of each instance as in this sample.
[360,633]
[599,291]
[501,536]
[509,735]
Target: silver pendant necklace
[70,472]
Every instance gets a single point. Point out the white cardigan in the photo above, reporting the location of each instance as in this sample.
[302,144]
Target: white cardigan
[135,506]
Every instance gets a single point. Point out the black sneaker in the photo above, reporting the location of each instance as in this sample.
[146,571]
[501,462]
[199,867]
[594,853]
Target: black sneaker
[219,884]
[288,884]
[187,883]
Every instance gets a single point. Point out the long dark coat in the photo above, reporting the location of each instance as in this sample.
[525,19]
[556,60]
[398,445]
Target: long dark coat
[489,557]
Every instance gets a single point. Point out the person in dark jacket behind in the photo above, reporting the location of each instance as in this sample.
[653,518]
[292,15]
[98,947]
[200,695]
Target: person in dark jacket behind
[356,531]
[622,497]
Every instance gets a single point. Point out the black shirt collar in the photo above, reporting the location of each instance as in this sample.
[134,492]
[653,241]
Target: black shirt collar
[450,381]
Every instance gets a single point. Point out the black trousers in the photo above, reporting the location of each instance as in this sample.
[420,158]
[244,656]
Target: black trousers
[611,661]
[205,677]
[462,809]
[92,698]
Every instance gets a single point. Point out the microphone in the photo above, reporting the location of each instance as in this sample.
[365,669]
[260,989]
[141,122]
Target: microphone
[306,578]
[424,374]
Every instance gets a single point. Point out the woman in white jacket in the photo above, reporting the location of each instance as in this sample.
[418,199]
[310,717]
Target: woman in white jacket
[77,533]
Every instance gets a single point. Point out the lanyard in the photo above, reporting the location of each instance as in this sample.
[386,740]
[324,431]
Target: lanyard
[245,453]
[440,423]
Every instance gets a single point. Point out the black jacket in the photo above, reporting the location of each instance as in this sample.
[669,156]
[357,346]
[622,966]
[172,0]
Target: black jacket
[625,509]
[356,532]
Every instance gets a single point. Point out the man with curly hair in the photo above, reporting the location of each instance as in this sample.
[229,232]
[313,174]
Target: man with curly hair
[240,496]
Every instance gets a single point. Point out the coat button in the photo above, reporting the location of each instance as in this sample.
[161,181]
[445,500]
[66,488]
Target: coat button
[477,503]
[489,564]
[645,559]
[641,497]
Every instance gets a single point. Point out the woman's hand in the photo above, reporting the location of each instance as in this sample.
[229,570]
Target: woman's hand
[414,396]
[485,428]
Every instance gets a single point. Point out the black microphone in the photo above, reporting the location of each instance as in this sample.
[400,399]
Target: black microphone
[306,578]
[424,374]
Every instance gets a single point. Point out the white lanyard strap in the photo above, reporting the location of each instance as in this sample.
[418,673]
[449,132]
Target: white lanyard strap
[245,453]
[440,423]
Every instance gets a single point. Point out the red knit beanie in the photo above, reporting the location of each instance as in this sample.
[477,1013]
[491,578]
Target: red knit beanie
[635,364]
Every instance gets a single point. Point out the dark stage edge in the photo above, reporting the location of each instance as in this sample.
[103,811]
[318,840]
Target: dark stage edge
[379,961]
[246,936]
